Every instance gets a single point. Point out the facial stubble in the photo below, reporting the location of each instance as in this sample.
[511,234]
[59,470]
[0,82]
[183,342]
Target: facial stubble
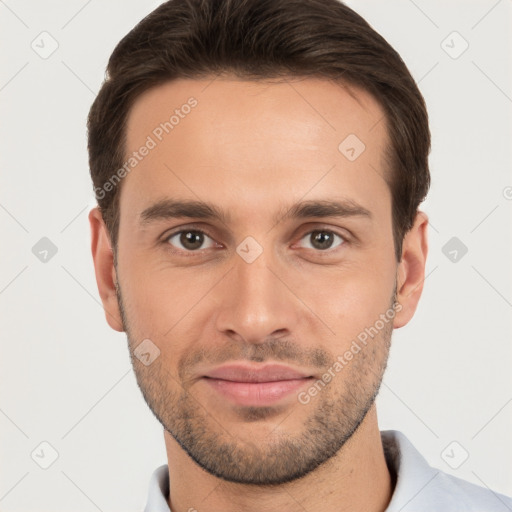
[335,413]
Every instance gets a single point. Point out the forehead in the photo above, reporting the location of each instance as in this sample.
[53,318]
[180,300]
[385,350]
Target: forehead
[311,106]
[255,139]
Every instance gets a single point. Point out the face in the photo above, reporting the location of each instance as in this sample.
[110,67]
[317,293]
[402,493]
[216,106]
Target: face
[256,230]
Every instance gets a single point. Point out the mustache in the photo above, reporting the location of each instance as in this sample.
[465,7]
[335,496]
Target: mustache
[273,349]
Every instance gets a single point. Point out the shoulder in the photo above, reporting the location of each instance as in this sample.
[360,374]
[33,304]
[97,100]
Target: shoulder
[468,497]
[421,487]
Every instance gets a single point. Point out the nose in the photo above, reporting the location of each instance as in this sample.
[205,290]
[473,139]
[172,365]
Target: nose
[256,301]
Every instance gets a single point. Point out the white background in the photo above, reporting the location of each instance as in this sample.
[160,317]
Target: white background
[66,378]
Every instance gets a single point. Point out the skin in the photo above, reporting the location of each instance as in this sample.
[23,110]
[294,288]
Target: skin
[254,149]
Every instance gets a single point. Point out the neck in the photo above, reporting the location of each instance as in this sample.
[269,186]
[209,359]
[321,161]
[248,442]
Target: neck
[356,478]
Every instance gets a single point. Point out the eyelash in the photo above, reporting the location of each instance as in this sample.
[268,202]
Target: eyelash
[187,253]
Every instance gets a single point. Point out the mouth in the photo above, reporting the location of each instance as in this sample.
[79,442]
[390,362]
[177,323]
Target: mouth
[256,386]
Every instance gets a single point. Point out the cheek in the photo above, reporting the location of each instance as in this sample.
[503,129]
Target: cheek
[349,302]
[160,302]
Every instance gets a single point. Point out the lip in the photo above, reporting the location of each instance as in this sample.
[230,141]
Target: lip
[253,386]
[247,373]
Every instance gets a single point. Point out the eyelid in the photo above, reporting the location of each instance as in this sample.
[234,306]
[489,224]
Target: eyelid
[337,230]
[188,227]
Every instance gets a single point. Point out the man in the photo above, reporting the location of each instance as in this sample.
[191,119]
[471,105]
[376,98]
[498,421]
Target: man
[258,166]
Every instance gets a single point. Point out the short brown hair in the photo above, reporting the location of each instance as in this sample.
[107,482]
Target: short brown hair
[262,39]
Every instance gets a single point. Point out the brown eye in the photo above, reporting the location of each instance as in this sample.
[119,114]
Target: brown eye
[322,239]
[189,240]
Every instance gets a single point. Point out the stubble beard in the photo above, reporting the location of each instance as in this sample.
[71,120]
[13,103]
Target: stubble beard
[335,414]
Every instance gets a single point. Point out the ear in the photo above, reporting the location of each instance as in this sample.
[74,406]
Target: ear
[411,270]
[103,257]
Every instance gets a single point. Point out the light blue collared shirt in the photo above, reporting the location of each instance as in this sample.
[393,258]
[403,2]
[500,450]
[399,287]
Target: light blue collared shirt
[419,486]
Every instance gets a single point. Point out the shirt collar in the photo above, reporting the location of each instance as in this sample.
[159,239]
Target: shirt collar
[158,491]
[413,473]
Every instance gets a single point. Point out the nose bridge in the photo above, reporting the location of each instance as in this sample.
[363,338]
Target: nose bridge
[255,303]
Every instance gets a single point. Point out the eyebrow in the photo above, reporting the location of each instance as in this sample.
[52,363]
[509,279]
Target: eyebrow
[324,208]
[176,209]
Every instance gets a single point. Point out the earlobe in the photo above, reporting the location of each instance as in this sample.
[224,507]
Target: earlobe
[411,270]
[103,258]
